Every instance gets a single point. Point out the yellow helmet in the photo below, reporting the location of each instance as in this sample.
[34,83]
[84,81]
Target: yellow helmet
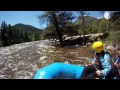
[98,46]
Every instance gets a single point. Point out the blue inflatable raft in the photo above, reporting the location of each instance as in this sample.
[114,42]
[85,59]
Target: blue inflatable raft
[59,71]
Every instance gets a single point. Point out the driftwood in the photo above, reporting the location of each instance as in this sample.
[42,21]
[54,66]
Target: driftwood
[79,38]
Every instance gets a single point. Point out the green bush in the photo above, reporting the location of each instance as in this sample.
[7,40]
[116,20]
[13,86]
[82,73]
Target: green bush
[114,37]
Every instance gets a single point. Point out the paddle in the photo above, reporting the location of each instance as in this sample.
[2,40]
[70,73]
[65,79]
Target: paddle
[95,66]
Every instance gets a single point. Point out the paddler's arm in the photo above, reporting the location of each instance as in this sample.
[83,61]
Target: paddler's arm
[106,65]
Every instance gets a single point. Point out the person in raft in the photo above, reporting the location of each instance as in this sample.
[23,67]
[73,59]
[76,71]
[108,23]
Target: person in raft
[101,65]
[117,64]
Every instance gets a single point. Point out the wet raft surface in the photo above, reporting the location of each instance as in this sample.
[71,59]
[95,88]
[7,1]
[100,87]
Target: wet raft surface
[21,61]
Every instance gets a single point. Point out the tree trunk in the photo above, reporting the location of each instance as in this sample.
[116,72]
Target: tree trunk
[58,30]
[83,28]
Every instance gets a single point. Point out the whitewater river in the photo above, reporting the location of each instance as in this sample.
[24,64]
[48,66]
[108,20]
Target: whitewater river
[21,61]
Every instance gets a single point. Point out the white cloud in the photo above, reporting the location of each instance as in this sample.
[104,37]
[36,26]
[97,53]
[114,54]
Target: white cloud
[106,15]
[99,17]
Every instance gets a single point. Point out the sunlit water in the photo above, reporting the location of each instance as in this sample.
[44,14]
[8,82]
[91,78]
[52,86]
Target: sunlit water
[21,61]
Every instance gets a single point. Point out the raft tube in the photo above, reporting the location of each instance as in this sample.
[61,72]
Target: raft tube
[59,71]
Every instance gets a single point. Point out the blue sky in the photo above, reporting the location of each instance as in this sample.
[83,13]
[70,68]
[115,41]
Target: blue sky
[30,17]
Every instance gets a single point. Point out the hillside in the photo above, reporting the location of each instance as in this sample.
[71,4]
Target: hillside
[19,33]
[87,18]
[28,28]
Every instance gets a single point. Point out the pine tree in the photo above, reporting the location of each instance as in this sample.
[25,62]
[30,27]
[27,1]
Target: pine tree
[4,34]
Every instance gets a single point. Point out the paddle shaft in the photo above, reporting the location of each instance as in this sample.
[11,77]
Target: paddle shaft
[95,66]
